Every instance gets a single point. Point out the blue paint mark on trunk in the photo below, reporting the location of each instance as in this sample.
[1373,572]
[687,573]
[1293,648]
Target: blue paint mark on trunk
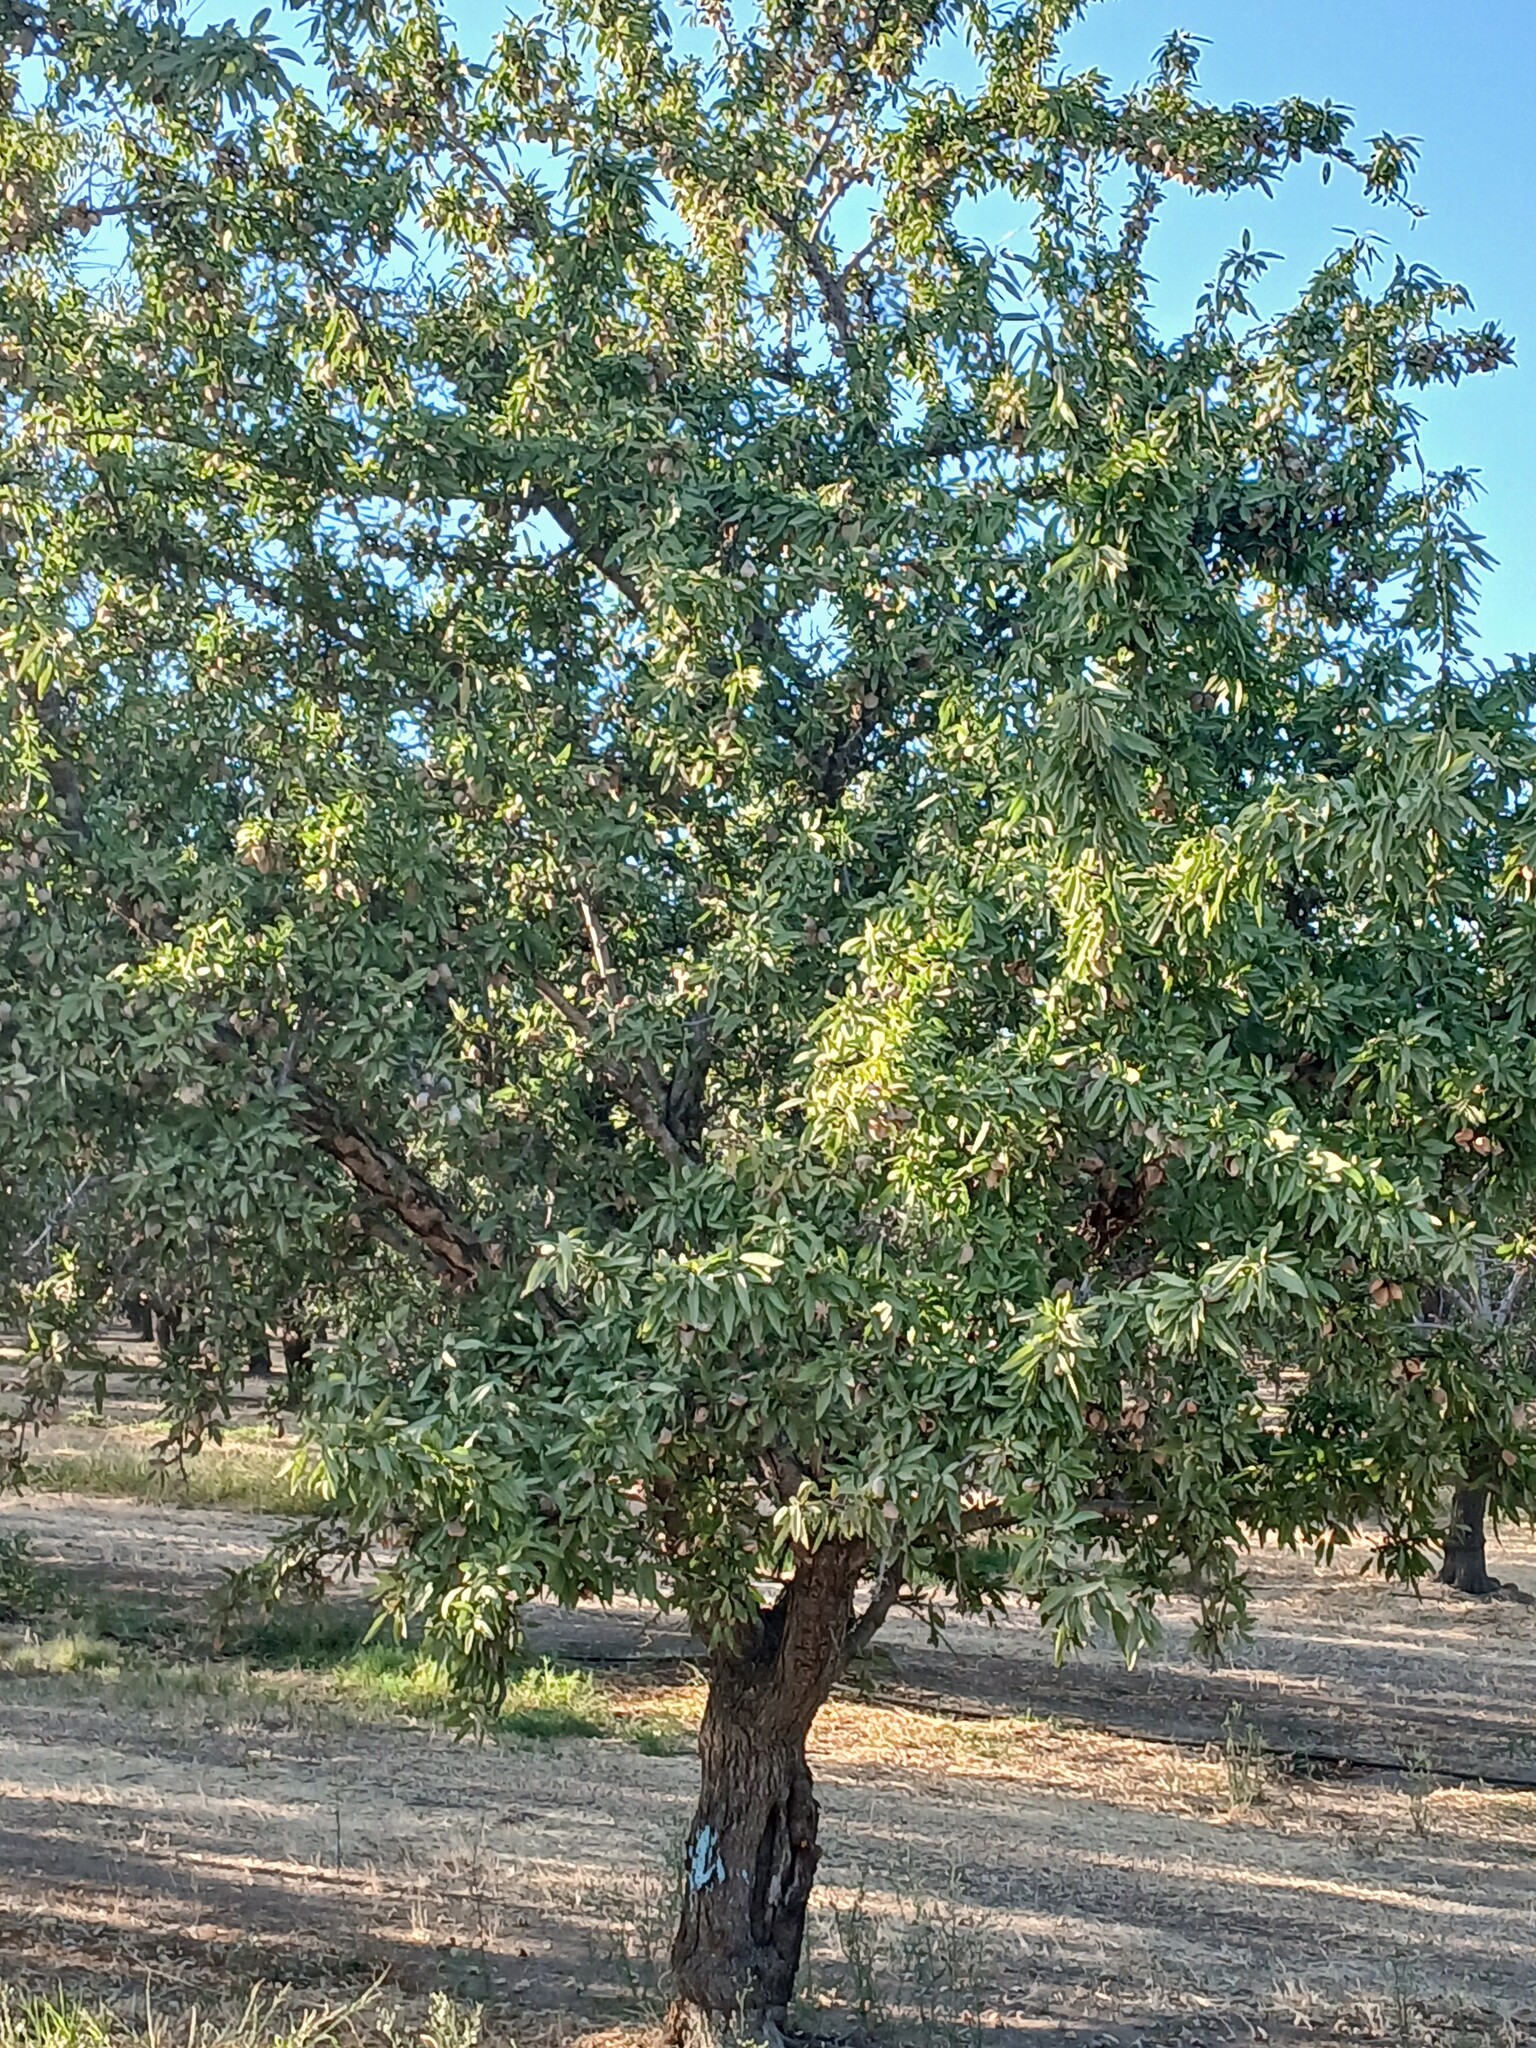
[705,1867]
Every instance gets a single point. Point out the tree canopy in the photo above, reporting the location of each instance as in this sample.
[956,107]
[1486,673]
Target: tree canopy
[859,925]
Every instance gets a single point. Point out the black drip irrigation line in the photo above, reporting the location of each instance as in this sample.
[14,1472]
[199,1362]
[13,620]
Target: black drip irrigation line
[1340,1760]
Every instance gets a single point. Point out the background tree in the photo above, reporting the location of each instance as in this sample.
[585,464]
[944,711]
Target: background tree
[843,912]
[1485,1312]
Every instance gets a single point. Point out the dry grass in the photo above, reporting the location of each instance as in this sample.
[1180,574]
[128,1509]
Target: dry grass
[267,2019]
[249,1469]
[289,1810]
[109,1447]
[856,1733]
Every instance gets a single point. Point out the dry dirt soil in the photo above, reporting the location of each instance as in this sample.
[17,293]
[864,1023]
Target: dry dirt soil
[1032,1856]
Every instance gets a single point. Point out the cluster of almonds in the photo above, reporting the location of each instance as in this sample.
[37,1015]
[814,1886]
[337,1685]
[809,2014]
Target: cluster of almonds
[889,1119]
[16,860]
[1476,1141]
[26,857]
[261,851]
[1407,1370]
[1134,1413]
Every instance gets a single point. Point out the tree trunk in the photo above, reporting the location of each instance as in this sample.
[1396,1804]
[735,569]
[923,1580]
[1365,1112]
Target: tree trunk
[751,1853]
[298,1367]
[1466,1549]
[139,1317]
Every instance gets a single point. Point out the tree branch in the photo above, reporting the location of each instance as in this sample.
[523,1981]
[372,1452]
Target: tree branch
[834,295]
[602,950]
[685,1089]
[60,1216]
[459,1255]
[565,518]
[884,1597]
[618,994]
[631,1085]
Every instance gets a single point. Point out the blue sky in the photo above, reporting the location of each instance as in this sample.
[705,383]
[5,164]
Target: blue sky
[1460,77]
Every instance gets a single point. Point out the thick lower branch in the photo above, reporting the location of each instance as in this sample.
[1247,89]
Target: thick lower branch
[392,1183]
[877,1611]
[397,1187]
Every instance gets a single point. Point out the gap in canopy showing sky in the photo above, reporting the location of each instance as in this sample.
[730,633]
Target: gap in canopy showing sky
[1459,75]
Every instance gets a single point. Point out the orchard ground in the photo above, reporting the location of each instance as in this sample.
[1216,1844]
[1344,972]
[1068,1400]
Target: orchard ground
[1330,1839]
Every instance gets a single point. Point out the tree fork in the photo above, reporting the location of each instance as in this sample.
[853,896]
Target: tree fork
[751,1853]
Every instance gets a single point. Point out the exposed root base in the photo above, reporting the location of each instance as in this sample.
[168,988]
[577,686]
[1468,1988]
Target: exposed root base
[1475,1582]
[687,2026]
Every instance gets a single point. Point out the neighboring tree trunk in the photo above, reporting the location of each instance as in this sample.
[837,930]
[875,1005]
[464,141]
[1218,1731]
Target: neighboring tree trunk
[258,1364]
[298,1367]
[751,1852]
[1466,1544]
[139,1317]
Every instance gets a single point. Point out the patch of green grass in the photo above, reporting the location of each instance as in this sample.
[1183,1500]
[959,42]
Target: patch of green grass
[548,1703]
[312,1657]
[360,1681]
[393,1678]
[75,1650]
[543,1703]
[56,2022]
[251,1474]
[311,1635]
[662,1735]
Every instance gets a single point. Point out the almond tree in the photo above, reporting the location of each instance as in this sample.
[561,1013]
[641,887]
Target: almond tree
[1486,1311]
[859,924]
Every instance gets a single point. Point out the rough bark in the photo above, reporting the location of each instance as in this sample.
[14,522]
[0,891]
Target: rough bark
[751,1853]
[393,1186]
[1466,1544]
[396,1186]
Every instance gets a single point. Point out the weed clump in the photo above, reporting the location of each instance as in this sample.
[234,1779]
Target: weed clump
[924,1966]
[267,2019]
[1246,1760]
[27,1591]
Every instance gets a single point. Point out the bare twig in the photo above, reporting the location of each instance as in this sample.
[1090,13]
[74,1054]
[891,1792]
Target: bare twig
[60,1217]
